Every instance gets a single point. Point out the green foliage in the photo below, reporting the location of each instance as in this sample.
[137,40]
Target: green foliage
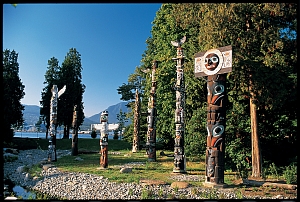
[274,170]
[236,156]
[94,134]
[147,194]
[290,174]
[51,78]
[126,91]
[13,92]
[68,74]
[264,65]
[121,117]
[116,135]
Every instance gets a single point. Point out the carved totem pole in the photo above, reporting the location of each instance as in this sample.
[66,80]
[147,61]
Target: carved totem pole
[136,126]
[215,64]
[151,133]
[53,121]
[179,157]
[74,134]
[104,139]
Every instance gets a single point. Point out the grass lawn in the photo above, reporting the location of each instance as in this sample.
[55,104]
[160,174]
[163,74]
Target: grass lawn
[119,154]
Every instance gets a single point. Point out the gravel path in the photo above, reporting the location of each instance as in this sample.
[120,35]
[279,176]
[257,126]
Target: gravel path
[83,186]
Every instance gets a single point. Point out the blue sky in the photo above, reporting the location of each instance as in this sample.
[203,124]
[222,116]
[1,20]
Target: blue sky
[111,39]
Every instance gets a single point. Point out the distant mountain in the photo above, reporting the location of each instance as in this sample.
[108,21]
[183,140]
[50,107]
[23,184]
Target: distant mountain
[112,112]
[31,115]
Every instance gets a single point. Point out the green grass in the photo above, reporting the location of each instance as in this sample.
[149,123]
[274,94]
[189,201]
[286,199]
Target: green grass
[64,144]
[162,169]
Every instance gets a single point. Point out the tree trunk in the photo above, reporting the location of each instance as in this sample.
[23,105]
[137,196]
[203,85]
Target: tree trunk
[136,125]
[66,132]
[256,154]
[74,134]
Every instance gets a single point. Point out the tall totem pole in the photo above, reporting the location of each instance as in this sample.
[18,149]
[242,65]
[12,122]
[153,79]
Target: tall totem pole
[214,64]
[104,139]
[53,122]
[75,133]
[136,126]
[151,132]
[179,157]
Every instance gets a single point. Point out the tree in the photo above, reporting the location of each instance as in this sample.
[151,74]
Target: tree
[38,124]
[126,91]
[13,92]
[70,75]
[260,55]
[51,78]
[261,51]
[263,37]
[121,117]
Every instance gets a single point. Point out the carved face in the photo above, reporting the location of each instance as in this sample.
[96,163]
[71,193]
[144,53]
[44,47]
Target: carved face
[210,167]
[211,61]
[104,116]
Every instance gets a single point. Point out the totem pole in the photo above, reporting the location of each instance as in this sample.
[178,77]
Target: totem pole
[104,139]
[179,87]
[136,126]
[151,133]
[214,64]
[53,121]
[74,134]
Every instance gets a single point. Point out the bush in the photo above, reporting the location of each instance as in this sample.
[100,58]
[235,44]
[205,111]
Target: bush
[8,134]
[290,174]
[116,136]
[93,134]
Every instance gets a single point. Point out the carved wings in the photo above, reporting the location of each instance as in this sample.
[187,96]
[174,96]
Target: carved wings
[178,43]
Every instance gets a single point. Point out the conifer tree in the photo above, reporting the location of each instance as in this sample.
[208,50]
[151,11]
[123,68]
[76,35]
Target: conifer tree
[13,92]
[51,78]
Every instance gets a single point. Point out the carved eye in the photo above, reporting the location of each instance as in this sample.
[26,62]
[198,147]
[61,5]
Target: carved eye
[213,59]
[218,130]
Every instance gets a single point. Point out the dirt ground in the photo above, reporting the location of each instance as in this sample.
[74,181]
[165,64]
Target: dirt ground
[267,188]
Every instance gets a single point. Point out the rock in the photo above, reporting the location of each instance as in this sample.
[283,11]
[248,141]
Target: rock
[78,159]
[9,157]
[151,182]
[42,162]
[47,166]
[126,170]
[20,169]
[279,196]
[11,198]
[11,150]
[35,178]
[180,185]
[27,177]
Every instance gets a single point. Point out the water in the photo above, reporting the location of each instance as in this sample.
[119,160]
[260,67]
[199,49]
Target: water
[58,135]
[24,193]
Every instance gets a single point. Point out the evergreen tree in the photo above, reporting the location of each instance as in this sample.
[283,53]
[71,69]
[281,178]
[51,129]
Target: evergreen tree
[121,117]
[13,92]
[70,75]
[263,38]
[51,78]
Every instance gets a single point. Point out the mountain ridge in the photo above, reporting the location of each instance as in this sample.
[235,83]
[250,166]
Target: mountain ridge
[31,115]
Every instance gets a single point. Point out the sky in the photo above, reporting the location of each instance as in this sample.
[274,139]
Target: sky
[110,38]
